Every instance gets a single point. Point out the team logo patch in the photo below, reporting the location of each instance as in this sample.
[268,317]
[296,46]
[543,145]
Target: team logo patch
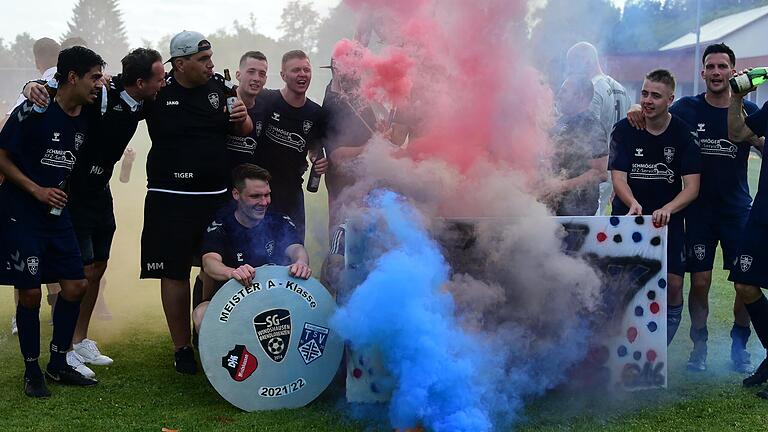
[270,247]
[669,154]
[79,140]
[312,342]
[273,329]
[257,128]
[239,363]
[307,126]
[32,264]
[745,262]
[700,251]
[213,98]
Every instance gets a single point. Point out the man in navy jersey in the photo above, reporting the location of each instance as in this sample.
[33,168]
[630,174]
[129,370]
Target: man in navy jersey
[250,236]
[656,171]
[750,268]
[294,126]
[37,154]
[720,212]
[113,122]
[251,76]
[187,178]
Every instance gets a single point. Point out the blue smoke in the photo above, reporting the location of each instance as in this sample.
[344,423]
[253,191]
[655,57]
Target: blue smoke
[403,311]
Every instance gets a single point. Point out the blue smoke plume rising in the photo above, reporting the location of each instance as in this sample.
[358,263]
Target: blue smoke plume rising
[403,311]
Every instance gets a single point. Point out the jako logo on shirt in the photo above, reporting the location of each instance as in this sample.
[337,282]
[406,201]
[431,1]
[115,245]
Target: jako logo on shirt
[169,103]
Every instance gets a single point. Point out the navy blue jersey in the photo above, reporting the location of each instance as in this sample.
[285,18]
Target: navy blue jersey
[758,123]
[655,164]
[262,244]
[242,150]
[44,146]
[724,188]
[288,134]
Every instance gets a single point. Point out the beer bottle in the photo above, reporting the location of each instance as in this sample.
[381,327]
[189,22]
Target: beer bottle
[64,186]
[749,80]
[313,183]
[230,90]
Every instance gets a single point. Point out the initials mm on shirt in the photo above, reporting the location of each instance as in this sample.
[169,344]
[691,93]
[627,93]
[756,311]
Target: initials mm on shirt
[155,266]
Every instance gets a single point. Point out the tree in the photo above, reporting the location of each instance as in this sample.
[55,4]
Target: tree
[21,51]
[99,22]
[300,24]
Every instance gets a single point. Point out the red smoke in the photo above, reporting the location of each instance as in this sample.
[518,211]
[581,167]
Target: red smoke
[460,68]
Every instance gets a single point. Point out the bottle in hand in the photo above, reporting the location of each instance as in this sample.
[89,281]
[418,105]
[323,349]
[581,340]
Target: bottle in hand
[230,90]
[749,80]
[313,183]
[64,186]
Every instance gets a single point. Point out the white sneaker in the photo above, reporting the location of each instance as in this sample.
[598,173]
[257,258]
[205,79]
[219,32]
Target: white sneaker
[74,360]
[90,353]
[14,329]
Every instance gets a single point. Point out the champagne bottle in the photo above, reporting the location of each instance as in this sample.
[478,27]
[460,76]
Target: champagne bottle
[313,183]
[749,80]
[64,186]
[231,90]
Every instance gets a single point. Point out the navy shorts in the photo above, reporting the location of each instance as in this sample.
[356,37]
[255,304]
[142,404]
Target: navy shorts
[173,232]
[702,236]
[676,247]
[750,264]
[94,222]
[34,255]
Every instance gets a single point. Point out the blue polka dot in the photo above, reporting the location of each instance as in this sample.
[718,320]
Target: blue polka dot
[662,283]
[639,311]
[637,237]
[652,327]
[637,355]
[374,388]
[651,295]
[622,351]
[614,221]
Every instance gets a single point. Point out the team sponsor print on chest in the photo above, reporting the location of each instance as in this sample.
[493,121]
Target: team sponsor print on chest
[718,147]
[651,171]
[58,158]
[258,287]
[286,138]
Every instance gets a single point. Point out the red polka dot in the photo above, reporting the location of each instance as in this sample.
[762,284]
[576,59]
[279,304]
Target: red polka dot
[357,373]
[601,236]
[655,308]
[651,356]
[631,334]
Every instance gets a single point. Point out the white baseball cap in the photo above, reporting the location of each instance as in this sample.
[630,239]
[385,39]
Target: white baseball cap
[187,43]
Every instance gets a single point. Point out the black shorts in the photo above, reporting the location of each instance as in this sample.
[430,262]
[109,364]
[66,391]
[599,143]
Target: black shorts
[676,247]
[173,231]
[750,265]
[702,234]
[94,222]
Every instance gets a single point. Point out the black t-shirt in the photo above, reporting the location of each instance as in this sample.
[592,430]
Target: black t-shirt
[260,245]
[44,146]
[578,139]
[112,126]
[655,164]
[288,133]
[758,123]
[724,188]
[242,150]
[189,129]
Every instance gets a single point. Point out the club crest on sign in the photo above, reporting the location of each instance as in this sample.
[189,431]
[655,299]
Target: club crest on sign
[669,154]
[700,251]
[239,363]
[745,262]
[79,140]
[312,342]
[273,329]
[32,264]
[307,126]
[213,98]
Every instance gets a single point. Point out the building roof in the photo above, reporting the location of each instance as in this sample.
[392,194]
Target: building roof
[716,29]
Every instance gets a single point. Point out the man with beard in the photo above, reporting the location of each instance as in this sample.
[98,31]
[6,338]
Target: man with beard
[112,123]
[37,154]
[720,212]
[187,179]
[656,171]
[294,126]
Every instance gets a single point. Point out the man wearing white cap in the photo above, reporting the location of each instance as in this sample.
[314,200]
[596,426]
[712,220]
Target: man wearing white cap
[187,177]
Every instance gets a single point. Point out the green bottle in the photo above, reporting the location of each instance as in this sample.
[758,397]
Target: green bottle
[749,80]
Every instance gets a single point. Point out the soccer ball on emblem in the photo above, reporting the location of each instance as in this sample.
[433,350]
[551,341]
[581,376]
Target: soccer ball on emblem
[275,345]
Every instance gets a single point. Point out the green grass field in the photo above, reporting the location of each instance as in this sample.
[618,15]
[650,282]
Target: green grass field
[141,391]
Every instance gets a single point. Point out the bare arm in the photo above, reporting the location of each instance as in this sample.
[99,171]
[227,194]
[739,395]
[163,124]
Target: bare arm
[214,267]
[737,127]
[686,196]
[622,190]
[299,261]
